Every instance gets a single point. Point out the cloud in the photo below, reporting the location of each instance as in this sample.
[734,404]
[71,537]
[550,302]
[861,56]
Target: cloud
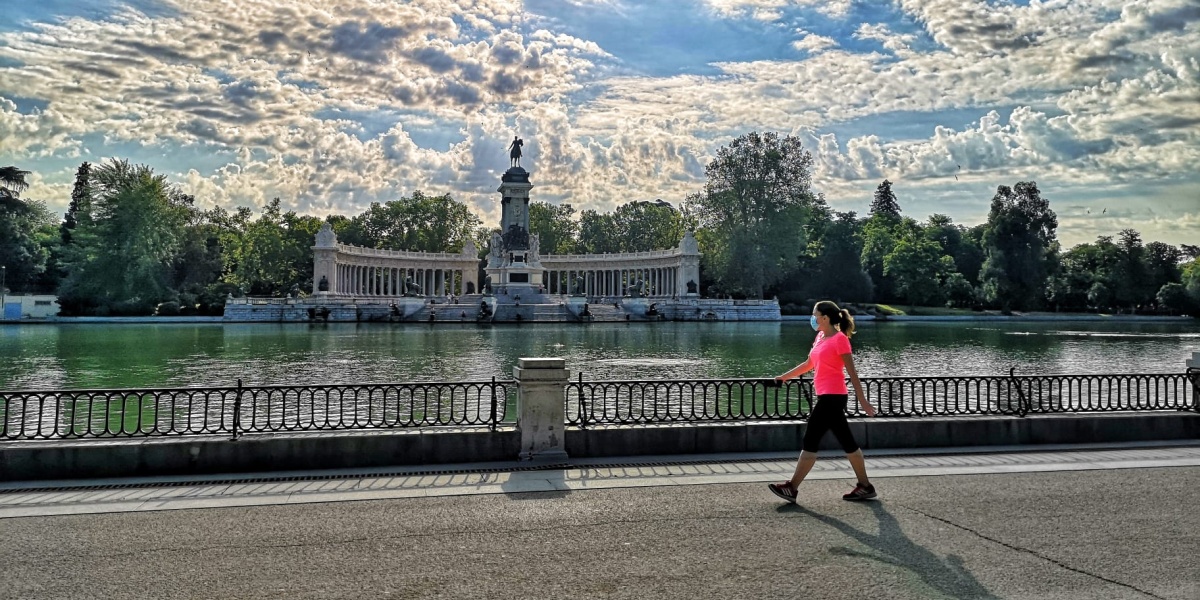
[774,10]
[330,109]
[813,43]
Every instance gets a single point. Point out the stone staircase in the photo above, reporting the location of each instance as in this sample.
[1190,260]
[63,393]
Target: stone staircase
[607,313]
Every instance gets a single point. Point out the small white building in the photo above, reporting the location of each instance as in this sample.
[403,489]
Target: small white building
[16,307]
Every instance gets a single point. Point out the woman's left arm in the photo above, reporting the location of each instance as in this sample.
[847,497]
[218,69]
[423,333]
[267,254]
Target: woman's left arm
[848,360]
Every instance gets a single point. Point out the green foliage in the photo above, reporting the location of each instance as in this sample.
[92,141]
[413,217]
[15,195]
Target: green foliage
[837,272]
[1190,278]
[919,268]
[1020,243]
[269,255]
[637,226]
[23,251]
[120,261]
[884,204]
[753,211]
[555,227]
[418,223]
[1175,298]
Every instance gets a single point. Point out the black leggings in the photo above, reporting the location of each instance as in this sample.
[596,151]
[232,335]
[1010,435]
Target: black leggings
[829,415]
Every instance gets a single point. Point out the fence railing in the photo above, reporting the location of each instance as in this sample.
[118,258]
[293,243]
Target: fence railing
[233,411]
[645,402]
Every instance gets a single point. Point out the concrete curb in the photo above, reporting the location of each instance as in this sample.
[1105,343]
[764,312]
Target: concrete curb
[37,460]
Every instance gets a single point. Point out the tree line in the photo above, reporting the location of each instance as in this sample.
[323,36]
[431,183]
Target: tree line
[133,244]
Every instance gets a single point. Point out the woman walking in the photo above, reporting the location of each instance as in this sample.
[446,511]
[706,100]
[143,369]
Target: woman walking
[830,354]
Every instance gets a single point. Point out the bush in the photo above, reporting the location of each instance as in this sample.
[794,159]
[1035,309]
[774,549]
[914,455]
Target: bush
[133,307]
[167,309]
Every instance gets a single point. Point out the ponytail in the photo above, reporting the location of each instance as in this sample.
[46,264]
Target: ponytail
[847,323]
[839,317]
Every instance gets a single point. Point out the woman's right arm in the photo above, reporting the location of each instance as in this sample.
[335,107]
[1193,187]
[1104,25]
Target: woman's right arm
[800,369]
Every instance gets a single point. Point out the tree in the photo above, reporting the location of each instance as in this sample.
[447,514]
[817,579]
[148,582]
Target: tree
[838,274]
[1190,278]
[22,253]
[643,226]
[596,233]
[919,268]
[753,211]
[1175,298]
[884,203]
[1019,242]
[12,183]
[959,243]
[417,223]
[121,258]
[1130,287]
[1162,265]
[81,199]
[555,227]
[271,254]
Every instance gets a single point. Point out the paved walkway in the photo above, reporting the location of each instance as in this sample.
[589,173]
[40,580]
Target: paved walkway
[165,493]
[1061,523]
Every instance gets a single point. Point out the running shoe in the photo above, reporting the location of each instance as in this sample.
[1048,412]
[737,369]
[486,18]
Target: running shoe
[860,492]
[783,490]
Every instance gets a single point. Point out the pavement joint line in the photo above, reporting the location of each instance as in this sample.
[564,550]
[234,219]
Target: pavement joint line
[1028,551]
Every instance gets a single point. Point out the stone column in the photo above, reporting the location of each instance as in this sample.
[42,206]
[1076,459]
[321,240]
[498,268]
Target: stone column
[541,412]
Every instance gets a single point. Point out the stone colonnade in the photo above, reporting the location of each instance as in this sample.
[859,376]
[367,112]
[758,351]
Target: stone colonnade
[344,270]
[382,280]
[663,273]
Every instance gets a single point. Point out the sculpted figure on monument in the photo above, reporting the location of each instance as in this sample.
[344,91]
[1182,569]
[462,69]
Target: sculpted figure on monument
[411,289]
[638,289]
[326,237]
[323,285]
[691,286]
[514,152]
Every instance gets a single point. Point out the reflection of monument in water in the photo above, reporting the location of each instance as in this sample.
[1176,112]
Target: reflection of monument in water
[520,284]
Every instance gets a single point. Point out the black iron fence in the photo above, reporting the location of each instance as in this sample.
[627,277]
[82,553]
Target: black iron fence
[645,402]
[233,411]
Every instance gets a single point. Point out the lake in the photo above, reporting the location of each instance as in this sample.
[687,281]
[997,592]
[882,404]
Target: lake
[159,355]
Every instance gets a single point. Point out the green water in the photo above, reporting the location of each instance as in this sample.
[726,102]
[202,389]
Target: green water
[150,355]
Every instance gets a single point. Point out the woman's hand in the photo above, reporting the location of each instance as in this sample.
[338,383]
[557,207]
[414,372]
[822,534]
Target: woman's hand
[867,408]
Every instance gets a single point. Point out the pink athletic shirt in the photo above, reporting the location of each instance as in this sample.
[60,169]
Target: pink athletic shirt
[826,357]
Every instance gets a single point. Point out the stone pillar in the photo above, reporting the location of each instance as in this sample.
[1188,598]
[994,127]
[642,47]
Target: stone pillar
[541,412]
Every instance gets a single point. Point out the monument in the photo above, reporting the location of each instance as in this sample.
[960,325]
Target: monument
[513,261]
[515,283]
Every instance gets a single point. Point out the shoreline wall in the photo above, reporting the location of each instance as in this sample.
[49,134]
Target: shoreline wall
[42,460]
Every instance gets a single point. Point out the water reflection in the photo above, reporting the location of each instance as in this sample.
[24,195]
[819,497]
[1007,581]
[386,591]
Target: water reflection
[151,355]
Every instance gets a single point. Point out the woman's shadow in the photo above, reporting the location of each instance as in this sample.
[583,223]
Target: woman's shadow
[891,546]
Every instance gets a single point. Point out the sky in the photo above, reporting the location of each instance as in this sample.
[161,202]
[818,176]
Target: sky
[330,105]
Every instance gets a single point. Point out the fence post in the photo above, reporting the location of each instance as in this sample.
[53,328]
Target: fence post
[237,412]
[493,419]
[1013,383]
[1193,371]
[541,388]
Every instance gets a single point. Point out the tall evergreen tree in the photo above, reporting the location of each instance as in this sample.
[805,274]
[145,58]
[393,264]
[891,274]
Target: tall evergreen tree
[80,201]
[1020,243]
[884,203]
